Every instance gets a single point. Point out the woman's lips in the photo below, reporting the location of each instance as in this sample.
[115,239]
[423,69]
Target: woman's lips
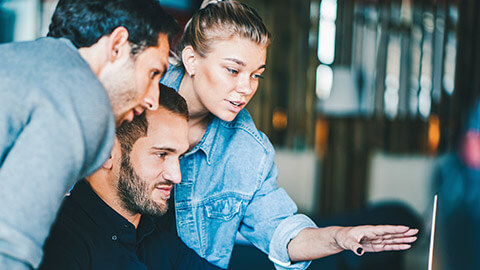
[235,106]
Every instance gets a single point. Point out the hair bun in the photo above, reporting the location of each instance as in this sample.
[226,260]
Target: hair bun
[208,2]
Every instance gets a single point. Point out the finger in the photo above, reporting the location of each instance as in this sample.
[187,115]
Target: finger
[370,235]
[372,238]
[389,229]
[397,247]
[376,234]
[382,247]
[410,232]
[359,251]
[354,246]
[401,240]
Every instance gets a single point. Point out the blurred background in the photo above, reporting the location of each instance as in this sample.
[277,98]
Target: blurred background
[371,106]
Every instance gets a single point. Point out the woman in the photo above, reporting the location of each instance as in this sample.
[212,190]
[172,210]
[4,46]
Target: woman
[228,176]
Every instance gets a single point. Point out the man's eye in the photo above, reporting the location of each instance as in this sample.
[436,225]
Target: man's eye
[162,155]
[155,73]
[257,76]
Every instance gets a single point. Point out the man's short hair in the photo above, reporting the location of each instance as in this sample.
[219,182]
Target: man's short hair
[129,132]
[84,22]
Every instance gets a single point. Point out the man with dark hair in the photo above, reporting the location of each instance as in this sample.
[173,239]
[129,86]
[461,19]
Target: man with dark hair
[125,42]
[108,221]
[57,96]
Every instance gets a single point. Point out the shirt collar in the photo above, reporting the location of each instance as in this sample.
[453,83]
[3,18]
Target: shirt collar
[173,77]
[114,225]
[207,143]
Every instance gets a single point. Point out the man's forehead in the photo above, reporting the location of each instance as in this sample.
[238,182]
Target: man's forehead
[159,52]
[162,120]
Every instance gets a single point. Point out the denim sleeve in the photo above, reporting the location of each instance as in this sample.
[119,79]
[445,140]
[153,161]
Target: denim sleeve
[270,221]
[286,231]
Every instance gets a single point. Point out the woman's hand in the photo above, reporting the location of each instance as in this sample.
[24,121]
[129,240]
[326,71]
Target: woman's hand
[314,243]
[362,239]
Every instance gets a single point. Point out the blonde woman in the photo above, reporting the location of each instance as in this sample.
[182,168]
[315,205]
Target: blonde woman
[229,176]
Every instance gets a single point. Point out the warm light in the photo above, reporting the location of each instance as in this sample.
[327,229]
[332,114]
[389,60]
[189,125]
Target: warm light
[321,136]
[433,132]
[279,119]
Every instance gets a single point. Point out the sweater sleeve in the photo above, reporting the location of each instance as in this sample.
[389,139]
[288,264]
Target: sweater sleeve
[45,160]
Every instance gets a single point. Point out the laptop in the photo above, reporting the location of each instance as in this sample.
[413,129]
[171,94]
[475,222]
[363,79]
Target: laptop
[432,233]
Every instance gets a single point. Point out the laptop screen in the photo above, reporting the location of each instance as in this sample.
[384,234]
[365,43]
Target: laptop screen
[432,233]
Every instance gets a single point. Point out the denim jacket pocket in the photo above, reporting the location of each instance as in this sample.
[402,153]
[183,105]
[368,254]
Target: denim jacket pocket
[224,208]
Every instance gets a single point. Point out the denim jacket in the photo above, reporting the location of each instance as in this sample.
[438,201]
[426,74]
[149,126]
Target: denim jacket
[229,184]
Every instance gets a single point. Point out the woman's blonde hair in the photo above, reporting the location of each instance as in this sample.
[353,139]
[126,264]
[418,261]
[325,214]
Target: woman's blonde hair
[222,20]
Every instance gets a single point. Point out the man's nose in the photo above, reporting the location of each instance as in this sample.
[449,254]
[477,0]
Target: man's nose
[173,173]
[151,99]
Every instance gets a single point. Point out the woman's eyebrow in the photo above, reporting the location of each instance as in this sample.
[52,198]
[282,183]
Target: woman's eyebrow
[238,61]
[241,63]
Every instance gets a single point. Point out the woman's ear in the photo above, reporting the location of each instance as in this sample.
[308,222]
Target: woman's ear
[189,58]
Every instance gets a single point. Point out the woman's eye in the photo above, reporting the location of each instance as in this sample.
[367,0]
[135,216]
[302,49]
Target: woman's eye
[257,76]
[162,155]
[233,71]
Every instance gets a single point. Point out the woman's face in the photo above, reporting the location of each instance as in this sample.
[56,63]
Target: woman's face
[226,78]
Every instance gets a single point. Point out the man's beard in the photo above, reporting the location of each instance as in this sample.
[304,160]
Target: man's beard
[134,192]
[121,88]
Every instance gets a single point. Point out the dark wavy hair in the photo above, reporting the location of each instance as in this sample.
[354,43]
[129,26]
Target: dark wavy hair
[84,22]
[129,132]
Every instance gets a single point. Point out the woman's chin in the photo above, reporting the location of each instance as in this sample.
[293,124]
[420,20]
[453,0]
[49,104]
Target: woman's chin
[227,117]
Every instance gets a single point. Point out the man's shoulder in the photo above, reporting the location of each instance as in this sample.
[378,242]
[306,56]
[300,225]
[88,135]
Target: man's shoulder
[57,87]
[48,68]
[29,52]
[73,222]
[69,242]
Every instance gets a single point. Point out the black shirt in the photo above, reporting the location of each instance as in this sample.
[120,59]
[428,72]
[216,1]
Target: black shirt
[88,234]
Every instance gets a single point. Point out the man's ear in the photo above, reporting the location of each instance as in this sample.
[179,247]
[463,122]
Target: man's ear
[189,57]
[118,45]
[108,165]
[115,154]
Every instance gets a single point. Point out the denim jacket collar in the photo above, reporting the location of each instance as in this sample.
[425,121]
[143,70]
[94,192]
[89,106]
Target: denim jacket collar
[173,80]
[207,144]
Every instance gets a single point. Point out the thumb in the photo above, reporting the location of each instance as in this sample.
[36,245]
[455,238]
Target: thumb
[359,250]
[355,247]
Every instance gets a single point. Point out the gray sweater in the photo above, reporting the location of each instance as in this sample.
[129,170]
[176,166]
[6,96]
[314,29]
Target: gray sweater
[56,126]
